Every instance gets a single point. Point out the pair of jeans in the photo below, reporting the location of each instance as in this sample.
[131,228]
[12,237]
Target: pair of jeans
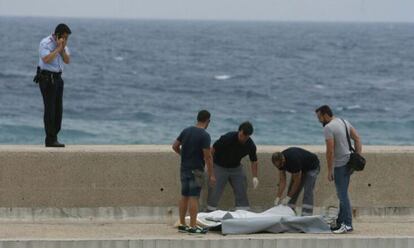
[51,87]
[308,185]
[238,181]
[342,176]
[190,187]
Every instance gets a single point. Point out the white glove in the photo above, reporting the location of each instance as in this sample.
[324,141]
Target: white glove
[277,201]
[286,200]
[255,182]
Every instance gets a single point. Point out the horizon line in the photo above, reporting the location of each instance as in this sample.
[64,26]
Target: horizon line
[207,20]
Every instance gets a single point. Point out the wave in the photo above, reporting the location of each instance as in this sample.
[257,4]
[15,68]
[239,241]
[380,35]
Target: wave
[319,86]
[222,77]
[351,107]
[15,74]
[284,111]
[144,116]
[12,128]
[78,133]
[253,94]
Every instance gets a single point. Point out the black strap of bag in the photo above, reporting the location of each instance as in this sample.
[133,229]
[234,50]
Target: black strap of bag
[356,161]
[351,149]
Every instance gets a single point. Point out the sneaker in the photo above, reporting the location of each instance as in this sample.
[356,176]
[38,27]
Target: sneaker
[197,230]
[183,228]
[335,226]
[343,229]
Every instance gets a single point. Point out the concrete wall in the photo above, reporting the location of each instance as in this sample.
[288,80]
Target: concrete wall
[123,176]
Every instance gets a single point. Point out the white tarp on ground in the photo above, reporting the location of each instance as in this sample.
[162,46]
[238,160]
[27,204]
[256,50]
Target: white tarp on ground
[275,220]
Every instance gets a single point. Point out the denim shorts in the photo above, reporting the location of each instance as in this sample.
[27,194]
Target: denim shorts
[190,186]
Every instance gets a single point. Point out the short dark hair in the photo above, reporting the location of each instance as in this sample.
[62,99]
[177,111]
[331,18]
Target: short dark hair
[246,127]
[62,29]
[325,109]
[203,116]
[277,156]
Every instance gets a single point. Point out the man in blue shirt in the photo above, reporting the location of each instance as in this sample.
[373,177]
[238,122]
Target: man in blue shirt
[193,146]
[53,54]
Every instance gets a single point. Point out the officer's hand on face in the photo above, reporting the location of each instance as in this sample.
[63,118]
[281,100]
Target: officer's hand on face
[65,41]
[61,45]
[60,41]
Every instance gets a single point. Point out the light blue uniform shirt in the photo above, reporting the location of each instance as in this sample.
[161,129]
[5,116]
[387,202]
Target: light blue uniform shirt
[48,45]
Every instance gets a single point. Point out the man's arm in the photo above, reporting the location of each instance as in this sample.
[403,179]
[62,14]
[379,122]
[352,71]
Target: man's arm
[296,179]
[282,183]
[177,147]
[254,166]
[65,56]
[52,55]
[209,163]
[357,140]
[330,146]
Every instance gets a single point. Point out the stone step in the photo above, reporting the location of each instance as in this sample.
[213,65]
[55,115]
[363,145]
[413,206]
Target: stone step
[120,235]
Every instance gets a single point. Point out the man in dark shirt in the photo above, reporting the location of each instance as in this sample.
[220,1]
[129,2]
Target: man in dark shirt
[193,145]
[304,167]
[228,152]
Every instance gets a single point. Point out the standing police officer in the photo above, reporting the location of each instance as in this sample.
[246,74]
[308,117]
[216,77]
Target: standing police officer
[53,53]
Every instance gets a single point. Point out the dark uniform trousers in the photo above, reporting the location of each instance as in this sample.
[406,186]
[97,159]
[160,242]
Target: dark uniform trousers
[51,86]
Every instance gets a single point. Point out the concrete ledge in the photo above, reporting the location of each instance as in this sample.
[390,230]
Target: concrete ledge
[161,215]
[92,177]
[150,215]
[366,235]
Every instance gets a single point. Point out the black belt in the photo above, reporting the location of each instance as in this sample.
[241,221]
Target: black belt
[52,73]
[46,73]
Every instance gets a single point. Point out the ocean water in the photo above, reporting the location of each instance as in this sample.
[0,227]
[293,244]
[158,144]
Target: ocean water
[142,81]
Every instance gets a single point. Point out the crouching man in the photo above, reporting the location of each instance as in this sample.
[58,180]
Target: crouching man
[304,167]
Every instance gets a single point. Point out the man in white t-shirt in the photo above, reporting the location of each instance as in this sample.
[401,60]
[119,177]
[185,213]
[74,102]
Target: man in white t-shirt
[337,156]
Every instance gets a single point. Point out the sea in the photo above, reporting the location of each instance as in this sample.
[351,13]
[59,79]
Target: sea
[143,81]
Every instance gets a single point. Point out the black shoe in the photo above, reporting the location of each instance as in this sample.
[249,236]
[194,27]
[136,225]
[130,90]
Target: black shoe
[55,144]
[343,229]
[335,227]
[183,228]
[197,230]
